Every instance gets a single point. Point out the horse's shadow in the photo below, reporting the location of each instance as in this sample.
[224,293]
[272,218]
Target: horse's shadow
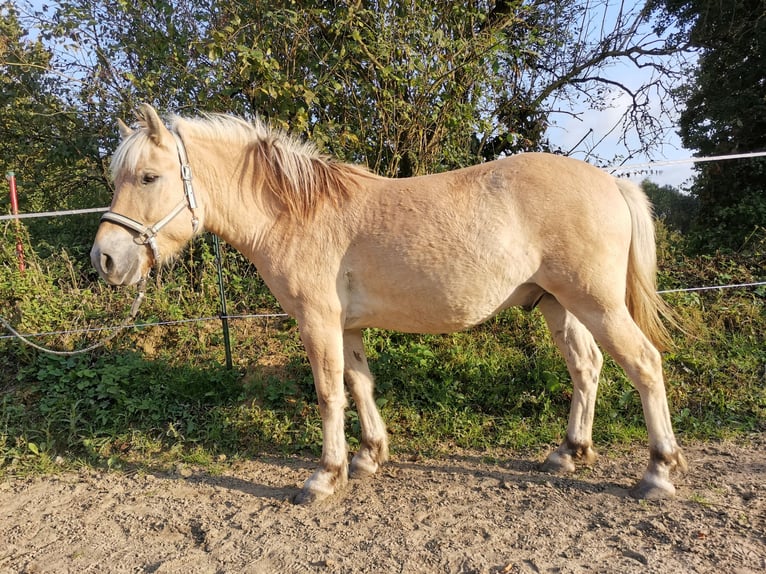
[228,479]
[512,473]
[509,474]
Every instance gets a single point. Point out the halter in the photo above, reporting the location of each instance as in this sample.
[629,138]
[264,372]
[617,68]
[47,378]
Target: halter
[147,234]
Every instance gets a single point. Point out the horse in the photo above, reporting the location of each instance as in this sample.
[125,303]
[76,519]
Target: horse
[343,249]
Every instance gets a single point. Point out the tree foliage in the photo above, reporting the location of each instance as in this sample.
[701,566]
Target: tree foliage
[404,87]
[395,85]
[725,112]
[48,147]
[677,210]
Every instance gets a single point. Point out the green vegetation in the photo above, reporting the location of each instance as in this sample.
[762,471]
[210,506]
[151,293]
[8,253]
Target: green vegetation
[403,87]
[723,112]
[160,394]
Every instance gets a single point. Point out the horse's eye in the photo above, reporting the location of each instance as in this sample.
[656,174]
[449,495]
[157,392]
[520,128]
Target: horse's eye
[149,178]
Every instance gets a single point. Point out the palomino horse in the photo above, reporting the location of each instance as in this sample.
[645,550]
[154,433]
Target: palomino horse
[343,249]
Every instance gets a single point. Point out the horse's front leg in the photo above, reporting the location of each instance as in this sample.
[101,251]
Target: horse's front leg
[374,449]
[324,345]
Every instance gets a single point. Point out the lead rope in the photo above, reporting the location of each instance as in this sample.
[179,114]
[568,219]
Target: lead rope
[133,312]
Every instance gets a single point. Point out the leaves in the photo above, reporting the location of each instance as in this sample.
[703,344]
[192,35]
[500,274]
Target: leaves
[406,88]
[725,112]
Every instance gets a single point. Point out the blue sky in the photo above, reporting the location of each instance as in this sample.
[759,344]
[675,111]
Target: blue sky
[567,132]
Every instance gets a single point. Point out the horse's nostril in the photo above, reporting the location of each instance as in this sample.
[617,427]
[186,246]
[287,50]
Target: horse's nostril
[107,264]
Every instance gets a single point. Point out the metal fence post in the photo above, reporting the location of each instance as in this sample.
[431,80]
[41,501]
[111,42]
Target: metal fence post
[222,293]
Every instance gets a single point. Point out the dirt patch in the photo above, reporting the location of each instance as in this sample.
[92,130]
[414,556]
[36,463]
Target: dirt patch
[454,514]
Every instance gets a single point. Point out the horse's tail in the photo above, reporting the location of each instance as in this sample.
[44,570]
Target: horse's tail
[645,305]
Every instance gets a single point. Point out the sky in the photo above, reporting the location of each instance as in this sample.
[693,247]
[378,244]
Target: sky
[567,132]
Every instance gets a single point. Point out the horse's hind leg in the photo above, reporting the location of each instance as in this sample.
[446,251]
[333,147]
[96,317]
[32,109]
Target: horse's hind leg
[584,361]
[374,449]
[619,335]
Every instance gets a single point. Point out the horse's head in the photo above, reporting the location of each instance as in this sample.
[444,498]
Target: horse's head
[152,213]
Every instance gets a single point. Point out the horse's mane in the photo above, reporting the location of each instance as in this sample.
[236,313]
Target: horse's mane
[293,170]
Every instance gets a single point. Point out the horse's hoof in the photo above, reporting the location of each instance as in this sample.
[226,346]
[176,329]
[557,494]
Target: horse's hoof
[362,467]
[558,463]
[653,488]
[656,484]
[321,485]
[309,497]
[562,460]
[680,462]
[311,494]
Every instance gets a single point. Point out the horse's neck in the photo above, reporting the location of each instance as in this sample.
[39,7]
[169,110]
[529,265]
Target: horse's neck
[234,210]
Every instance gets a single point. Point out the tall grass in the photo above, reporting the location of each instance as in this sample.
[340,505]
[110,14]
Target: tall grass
[157,395]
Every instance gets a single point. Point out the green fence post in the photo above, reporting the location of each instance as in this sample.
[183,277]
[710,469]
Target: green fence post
[222,293]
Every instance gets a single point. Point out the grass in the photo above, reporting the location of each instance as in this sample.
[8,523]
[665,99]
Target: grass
[162,394]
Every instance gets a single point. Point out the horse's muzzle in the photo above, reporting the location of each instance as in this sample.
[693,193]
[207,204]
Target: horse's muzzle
[119,265]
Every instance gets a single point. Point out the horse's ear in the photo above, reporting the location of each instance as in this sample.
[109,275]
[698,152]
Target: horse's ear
[158,133]
[125,130]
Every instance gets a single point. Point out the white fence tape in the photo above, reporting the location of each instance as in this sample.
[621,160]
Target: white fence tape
[54,213]
[668,162]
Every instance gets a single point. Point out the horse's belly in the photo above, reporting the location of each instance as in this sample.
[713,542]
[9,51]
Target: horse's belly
[415,310]
[414,321]
[418,284]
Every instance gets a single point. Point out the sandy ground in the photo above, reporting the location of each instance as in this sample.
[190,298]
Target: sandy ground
[452,514]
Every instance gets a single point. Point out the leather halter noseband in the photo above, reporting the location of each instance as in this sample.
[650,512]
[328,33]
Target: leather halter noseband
[147,234]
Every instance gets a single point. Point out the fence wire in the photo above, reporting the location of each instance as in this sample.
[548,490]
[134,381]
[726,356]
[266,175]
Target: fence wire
[712,287]
[176,322]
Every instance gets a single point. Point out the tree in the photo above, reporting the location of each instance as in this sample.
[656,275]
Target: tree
[677,210]
[405,87]
[412,87]
[396,85]
[39,140]
[725,112]
[571,70]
